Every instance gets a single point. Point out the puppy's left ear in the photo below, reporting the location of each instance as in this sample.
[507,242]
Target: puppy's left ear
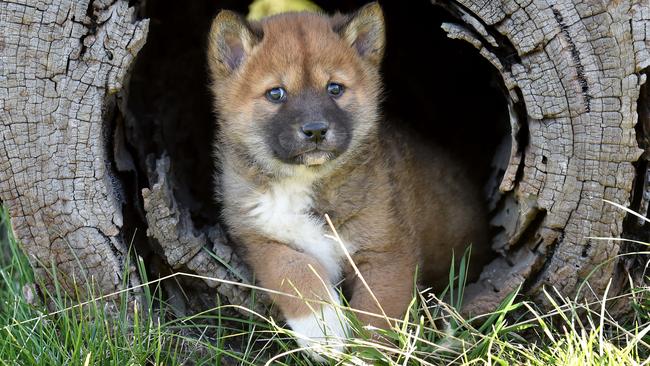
[365,32]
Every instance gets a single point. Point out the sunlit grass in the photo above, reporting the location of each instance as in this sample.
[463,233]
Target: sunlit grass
[138,331]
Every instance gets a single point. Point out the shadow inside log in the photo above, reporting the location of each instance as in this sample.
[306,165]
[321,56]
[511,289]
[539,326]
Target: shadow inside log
[636,228]
[439,86]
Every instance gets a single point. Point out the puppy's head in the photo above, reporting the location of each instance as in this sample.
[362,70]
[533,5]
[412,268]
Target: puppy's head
[297,89]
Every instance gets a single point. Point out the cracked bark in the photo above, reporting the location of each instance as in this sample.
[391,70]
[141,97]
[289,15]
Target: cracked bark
[61,65]
[576,71]
[183,247]
[573,73]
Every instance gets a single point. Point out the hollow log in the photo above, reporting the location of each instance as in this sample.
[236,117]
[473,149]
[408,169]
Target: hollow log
[99,144]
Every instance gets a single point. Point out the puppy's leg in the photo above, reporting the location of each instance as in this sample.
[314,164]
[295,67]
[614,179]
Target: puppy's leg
[390,277]
[284,269]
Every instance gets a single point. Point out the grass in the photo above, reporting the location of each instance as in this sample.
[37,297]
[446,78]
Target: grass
[139,332]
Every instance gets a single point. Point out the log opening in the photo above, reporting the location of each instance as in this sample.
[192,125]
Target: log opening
[439,86]
[80,177]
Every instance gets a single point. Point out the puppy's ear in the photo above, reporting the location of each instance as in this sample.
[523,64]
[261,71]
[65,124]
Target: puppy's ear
[364,31]
[231,41]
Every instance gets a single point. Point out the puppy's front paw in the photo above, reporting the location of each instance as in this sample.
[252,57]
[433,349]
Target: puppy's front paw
[322,332]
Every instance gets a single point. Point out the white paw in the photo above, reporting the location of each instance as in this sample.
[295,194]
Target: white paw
[324,332]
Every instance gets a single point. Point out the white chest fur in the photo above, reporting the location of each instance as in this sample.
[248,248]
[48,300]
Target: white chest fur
[283,213]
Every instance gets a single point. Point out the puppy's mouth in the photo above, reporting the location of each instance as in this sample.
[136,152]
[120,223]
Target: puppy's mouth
[292,151]
[314,156]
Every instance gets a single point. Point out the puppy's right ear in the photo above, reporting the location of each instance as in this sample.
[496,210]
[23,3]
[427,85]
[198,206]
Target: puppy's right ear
[231,41]
[364,31]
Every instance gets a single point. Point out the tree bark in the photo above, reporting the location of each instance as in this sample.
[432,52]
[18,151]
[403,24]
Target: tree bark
[575,70]
[61,65]
[72,167]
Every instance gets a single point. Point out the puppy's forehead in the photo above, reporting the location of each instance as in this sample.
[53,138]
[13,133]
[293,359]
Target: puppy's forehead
[301,43]
[293,30]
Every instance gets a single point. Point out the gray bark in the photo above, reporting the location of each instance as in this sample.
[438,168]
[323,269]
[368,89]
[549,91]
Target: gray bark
[577,68]
[61,65]
[573,71]
[183,247]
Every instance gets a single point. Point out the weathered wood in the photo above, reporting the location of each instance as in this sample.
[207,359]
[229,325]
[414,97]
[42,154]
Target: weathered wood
[61,64]
[185,248]
[576,71]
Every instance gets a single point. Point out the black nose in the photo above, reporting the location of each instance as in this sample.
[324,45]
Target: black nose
[315,131]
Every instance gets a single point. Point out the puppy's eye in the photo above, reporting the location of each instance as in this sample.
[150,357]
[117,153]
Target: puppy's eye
[335,89]
[276,95]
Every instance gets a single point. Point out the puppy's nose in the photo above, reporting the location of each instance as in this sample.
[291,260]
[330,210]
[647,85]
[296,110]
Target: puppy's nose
[315,131]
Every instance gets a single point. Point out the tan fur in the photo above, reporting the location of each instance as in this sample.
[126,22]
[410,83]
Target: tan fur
[397,203]
[299,275]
